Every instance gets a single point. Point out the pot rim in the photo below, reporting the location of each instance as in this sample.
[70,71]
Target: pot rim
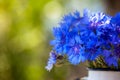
[103,69]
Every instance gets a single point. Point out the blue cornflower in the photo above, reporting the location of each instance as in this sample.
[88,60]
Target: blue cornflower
[112,61]
[51,61]
[99,19]
[116,19]
[109,58]
[76,54]
[63,32]
[117,50]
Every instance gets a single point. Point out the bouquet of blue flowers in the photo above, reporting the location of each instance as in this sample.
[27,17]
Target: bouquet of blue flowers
[94,38]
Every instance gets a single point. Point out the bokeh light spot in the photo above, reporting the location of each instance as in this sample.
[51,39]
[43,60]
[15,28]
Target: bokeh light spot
[53,10]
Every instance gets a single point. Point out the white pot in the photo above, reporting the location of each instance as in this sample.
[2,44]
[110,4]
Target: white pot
[103,75]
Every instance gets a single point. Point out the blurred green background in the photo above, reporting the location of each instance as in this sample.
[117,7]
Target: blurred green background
[25,32]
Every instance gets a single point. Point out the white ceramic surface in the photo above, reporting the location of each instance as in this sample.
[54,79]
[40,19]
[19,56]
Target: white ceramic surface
[84,78]
[103,75]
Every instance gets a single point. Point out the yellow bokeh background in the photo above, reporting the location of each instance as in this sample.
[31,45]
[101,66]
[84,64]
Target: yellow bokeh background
[25,32]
